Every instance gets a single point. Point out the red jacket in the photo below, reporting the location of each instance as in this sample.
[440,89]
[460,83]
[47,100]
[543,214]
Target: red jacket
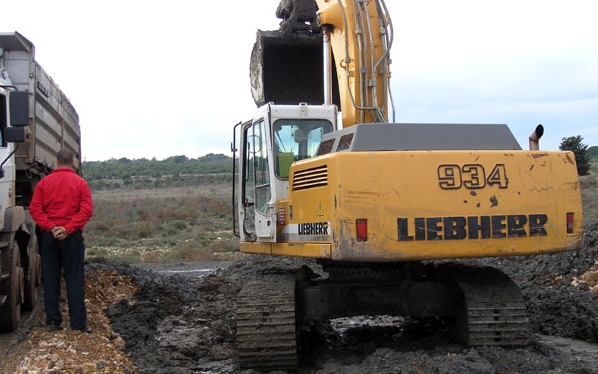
[62,198]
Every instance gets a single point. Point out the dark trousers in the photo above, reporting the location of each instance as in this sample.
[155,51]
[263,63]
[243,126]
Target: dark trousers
[67,255]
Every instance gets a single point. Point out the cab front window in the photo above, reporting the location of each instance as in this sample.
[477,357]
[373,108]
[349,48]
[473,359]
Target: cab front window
[296,140]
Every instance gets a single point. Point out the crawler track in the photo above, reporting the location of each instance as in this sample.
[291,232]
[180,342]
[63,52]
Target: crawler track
[266,327]
[494,312]
[485,304]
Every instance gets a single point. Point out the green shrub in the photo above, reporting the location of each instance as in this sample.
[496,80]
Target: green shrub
[580,150]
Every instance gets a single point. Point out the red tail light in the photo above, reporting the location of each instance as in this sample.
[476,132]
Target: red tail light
[281,217]
[362,230]
[570,223]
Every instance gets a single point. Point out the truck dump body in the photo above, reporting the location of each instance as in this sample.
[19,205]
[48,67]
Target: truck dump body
[53,121]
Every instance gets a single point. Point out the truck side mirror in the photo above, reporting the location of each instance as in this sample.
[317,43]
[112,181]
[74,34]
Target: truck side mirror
[15,134]
[12,135]
[19,108]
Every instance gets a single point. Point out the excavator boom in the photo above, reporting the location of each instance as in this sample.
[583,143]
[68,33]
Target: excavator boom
[360,38]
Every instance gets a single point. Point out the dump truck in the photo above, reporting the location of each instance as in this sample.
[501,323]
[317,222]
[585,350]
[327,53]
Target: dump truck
[37,120]
[392,212]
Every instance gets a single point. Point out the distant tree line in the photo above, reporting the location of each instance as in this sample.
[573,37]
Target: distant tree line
[181,171]
[175,171]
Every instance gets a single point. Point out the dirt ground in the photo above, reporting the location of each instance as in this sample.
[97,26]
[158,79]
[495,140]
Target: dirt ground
[181,319]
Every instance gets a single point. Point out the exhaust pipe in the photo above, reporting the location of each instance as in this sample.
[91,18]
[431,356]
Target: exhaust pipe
[534,138]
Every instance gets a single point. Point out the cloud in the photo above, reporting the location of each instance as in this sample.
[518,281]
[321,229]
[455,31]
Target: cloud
[557,90]
[156,79]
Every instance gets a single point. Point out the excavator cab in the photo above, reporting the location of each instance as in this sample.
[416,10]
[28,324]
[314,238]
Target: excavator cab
[276,137]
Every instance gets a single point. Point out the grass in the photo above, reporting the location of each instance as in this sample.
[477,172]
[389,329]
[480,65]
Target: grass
[162,225]
[589,194]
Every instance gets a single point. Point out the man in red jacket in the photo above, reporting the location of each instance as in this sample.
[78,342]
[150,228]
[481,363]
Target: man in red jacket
[61,206]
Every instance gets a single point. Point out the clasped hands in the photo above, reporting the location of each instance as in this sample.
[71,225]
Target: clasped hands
[59,233]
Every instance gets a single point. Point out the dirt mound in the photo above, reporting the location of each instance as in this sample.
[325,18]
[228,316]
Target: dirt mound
[35,349]
[558,303]
[178,324]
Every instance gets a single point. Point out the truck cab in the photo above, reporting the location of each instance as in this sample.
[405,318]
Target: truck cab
[36,121]
[20,260]
[14,116]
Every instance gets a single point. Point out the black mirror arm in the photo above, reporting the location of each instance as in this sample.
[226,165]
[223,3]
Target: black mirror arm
[6,159]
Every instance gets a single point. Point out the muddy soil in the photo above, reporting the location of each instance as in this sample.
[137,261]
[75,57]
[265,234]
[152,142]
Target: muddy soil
[181,319]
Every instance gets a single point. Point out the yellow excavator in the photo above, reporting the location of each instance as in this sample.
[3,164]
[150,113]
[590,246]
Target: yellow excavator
[379,204]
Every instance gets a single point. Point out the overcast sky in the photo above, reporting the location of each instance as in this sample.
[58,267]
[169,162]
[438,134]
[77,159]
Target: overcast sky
[164,78]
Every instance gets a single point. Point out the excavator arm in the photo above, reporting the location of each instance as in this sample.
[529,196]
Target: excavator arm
[295,65]
[359,34]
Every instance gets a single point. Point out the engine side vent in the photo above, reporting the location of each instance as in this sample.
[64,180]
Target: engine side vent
[325,147]
[344,142]
[310,178]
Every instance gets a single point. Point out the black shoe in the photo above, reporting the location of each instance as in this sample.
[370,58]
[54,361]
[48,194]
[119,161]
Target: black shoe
[55,326]
[85,330]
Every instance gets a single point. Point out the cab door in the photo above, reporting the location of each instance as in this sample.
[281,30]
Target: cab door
[259,222]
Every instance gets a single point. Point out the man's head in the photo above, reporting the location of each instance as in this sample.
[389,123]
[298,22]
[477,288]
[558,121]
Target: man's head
[64,158]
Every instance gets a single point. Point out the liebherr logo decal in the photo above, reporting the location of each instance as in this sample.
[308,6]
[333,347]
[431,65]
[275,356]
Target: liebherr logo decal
[472,227]
[306,232]
[314,228]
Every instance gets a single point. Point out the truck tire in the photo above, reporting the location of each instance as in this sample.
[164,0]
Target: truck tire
[10,312]
[32,280]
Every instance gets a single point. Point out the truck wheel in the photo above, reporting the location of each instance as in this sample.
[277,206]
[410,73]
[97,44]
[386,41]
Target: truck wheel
[10,312]
[32,279]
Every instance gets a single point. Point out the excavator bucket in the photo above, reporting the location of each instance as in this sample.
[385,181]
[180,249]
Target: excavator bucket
[287,68]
